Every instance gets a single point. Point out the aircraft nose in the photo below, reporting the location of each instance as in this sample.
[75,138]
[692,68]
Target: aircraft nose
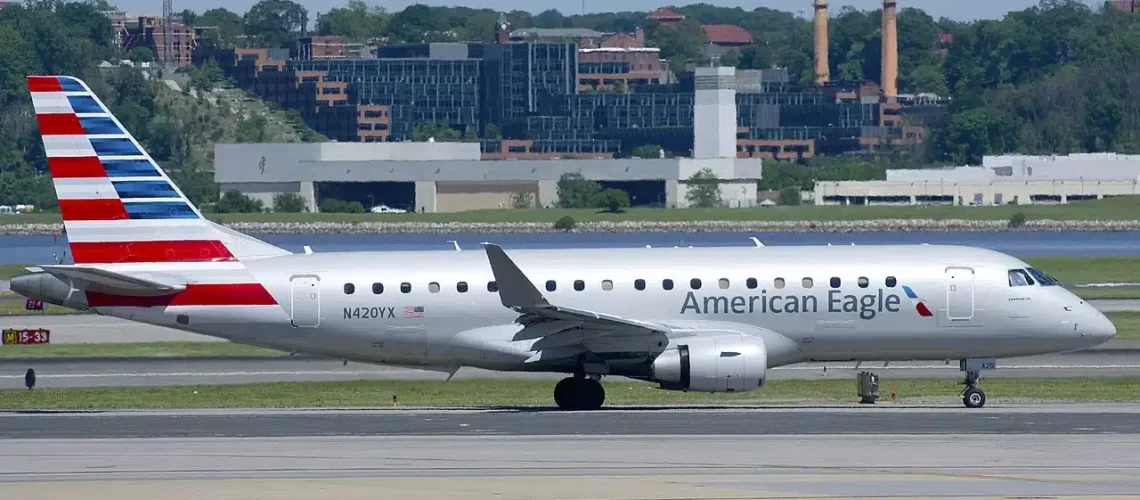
[1099,328]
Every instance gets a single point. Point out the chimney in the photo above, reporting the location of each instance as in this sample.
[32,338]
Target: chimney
[639,34]
[822,66]
[890,51]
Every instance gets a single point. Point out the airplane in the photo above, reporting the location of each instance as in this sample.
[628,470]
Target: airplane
[710,319]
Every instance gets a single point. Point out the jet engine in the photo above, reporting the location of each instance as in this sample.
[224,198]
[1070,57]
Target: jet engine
[721,363]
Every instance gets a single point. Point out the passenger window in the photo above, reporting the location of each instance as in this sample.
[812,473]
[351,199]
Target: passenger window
[349,288]
[667,284]
[639,284]
[377,288]
[607,285]
[891,281]
[807,283]
[492,286]
[433,287]
[579,285]
[751,283]
[778,283]
[461,287]
[1042,278]
[835,282]
[406,287]
[551,286]
[864,282]
[1018,277]
[723,283]
[695,284]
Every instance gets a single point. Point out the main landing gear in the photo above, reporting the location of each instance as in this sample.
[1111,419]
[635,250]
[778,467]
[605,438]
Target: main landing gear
[579,393]
[973,397]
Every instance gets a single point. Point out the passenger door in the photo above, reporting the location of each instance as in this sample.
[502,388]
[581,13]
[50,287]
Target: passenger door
[959,294]
[306,301]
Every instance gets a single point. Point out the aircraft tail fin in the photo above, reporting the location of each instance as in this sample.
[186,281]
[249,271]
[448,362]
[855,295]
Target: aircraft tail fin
[118,205]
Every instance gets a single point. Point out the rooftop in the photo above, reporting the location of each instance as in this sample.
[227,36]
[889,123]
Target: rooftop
[727,33]
[665,13]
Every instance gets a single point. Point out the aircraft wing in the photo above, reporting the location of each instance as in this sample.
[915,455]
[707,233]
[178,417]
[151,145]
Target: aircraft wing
[564,332]
[102,280]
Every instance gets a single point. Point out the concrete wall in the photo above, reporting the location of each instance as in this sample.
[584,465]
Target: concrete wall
[457,197]
[966,193]
[260,169]
[1075,167]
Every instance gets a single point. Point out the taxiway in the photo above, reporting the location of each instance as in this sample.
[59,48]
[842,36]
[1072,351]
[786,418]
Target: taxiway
[650,454]
[137,372]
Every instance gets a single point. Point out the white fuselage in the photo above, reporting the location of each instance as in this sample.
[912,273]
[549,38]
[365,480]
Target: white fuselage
[435,310]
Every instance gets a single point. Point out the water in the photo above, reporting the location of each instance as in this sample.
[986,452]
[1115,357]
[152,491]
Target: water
[39,249]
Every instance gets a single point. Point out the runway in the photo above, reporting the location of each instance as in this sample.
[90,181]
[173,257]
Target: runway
[881,418]
[95,329]
[138,372]
[1053,451]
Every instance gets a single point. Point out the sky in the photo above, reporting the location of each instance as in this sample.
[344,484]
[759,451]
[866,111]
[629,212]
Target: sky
[961,10]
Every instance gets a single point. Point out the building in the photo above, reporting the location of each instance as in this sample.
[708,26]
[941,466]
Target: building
[1130,6]
[132,31]
[1002,179]
[542,97]
[449,177]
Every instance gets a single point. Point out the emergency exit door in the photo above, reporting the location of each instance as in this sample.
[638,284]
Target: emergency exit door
[959,293]
[306,306]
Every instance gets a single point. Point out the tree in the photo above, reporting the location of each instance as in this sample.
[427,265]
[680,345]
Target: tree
[522,200]
[141,55]
[289,202]
[615,200]
[703,189]
[439,132]
[233,202]
[275,23]
[574,191]
[649,151]
[492,132]
[357,21]
[230,28]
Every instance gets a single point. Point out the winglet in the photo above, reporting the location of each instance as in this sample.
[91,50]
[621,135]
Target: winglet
[756,241]
[515,289]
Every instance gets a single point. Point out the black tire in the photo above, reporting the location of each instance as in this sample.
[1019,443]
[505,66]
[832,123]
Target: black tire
[592,395]
[974,398]
[564,393]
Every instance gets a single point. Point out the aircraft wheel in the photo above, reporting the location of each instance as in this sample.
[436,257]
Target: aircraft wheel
[564,393]
[974,398]
[592,394]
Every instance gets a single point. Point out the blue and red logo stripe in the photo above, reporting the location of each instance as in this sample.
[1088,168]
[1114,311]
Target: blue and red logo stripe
[919,305]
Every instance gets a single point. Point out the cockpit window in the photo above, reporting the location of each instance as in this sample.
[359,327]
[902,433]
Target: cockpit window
[1042,278]
[1018,277]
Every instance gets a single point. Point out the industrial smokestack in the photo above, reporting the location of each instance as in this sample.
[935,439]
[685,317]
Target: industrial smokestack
[822,66]
[890,73]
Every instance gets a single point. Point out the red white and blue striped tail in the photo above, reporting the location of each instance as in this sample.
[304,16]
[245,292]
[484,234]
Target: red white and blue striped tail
[118,205]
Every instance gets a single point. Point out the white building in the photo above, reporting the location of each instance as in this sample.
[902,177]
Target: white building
[999,180]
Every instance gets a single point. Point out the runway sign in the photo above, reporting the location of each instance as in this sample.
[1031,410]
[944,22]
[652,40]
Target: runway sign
[34,305]
[13,336]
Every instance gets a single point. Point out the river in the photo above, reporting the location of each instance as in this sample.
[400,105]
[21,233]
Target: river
[40,249]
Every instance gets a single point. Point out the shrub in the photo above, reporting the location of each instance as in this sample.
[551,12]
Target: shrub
[566,223]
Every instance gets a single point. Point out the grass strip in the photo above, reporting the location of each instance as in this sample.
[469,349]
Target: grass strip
[479,393]
[136,350]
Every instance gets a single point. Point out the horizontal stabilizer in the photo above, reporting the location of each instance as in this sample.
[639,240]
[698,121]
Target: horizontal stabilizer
[102,280]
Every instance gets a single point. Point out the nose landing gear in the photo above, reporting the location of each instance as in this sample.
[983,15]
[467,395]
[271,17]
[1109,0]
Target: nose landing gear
[973,397]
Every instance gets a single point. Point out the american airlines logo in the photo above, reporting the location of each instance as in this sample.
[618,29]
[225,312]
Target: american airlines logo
[867,306]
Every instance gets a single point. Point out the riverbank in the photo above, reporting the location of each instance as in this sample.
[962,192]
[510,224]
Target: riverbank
[1112,214]
[617,227]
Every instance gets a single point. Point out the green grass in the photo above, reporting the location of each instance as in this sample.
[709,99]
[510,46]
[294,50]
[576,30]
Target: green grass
[466,393]
[1127,324]
[1119,208]
[140,349]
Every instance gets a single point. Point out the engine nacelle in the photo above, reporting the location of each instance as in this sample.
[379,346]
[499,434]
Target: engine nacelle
[721,363]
